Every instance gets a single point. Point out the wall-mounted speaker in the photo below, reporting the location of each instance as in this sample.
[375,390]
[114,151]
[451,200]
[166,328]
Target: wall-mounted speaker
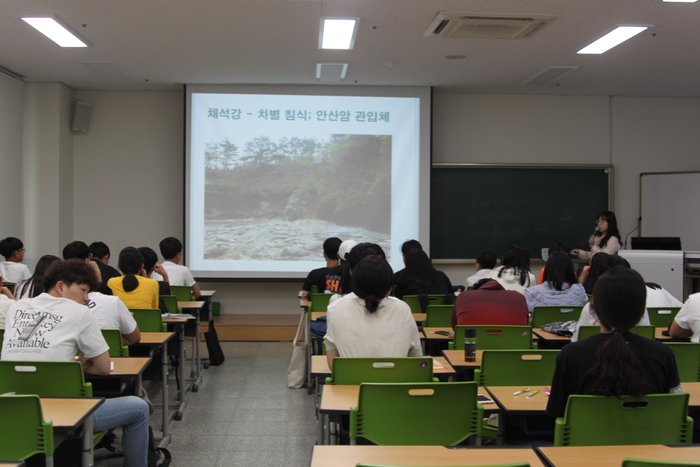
[81,116]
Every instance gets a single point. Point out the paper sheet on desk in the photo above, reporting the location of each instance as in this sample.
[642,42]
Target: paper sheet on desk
[177,315]
[438,366]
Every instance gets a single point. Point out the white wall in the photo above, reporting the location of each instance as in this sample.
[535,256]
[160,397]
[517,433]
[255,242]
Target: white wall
[11,119]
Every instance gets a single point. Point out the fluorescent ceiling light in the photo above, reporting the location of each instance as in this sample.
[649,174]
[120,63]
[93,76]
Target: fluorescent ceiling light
[679,1]
[611,39]
[338,33]
[55,31]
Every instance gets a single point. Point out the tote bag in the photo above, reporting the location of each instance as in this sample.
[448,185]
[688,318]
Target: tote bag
[296,374]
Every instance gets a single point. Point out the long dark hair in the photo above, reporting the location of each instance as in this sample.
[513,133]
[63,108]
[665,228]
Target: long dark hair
[372,279]
[559,270]
[612,231]
[594,271]
[354,256]
[516,258]
[130,264]
[619,300]
[35,284]
[419,270]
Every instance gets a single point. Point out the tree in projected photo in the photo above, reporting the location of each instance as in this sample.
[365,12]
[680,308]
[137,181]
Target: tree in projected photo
[274,187]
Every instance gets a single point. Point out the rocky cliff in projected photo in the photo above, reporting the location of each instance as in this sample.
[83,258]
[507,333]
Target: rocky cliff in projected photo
[279,200]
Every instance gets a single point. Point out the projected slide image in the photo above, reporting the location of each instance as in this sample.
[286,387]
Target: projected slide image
[279,197]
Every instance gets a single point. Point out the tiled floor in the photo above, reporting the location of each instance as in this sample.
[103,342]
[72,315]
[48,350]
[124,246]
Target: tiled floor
[242,415]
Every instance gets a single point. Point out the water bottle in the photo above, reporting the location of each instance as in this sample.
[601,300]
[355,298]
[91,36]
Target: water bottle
[470,345]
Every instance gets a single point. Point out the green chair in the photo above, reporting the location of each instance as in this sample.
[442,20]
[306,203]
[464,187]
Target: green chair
[438,316]
[113,337]
[149,319]
[414,302]
[182,292]
[381,370]
[495,337]
[516,368]
[687,359]
[662,317]
[24,432]
[588,331]
[604,421]
[319,301]
[416,413]
[170,302]
[627,462]
[45,379]
[542,315]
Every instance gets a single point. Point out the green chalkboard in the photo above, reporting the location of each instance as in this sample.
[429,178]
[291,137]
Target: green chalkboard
[487,207]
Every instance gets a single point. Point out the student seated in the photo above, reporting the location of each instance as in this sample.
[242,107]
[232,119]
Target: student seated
[34,286]
[6,300]
[329,279]
[68,327]
[615,362]
[687,321]
[560,286]
[485,262]
[556,247]
[171,249]
[514,272]
[330,254]
[11,270]
[420,277]
[371,325]
[111,313]
[132,288]
[588,316]
[490,303]
[80,250]
[100,254]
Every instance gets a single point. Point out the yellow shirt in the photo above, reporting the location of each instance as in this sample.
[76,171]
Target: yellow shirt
[143,296]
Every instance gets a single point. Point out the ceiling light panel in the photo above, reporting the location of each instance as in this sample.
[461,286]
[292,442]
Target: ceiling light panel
[338,33]
[52,27]
[615,37]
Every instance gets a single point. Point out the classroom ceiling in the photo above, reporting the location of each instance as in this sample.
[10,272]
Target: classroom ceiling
[163,44]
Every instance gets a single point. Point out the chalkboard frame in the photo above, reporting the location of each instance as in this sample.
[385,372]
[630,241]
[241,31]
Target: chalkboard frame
[466,166]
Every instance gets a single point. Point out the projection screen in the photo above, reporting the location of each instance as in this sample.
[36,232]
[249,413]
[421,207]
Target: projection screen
[272,171]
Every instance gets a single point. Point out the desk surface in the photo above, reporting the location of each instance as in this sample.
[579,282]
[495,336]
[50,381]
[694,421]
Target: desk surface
[548,336]
[69,412]
[207,293]
[429,333]
[127,366]
[456,359]
[155,338]
[611,456]
[319,366]
[349,456]
[191,305]
[503,396]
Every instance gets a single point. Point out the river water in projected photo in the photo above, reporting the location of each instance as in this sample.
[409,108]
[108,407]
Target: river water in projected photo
[280,199]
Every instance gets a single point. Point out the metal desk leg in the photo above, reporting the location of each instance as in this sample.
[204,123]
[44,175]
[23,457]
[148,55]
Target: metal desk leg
[87,453]
[177,415]
[165,440]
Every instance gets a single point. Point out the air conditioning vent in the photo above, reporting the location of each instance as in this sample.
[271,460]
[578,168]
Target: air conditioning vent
[485,26]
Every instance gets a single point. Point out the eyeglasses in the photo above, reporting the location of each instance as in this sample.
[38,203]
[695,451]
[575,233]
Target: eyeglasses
[22,250]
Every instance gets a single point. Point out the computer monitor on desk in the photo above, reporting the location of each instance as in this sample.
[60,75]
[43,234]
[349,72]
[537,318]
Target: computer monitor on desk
[656,243]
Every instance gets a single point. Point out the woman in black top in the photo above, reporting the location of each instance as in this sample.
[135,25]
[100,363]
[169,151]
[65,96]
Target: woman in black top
[420,277]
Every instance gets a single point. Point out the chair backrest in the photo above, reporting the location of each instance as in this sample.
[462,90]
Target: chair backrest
[23,432]
[516,368]
[381,370]
[45,379]
[416,413]
[644,331]
[687,359]
[662,317]
[438,316]
[542,315]
[627,462]
[414,302]
[319,301]
[604,421]
[182,292]
[495,337]
[170,302]
[148,319]
[113,337]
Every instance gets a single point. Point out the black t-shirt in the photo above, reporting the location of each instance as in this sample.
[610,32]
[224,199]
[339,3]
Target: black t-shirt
[405,286]
[329,280]
[576,359]
[312,279]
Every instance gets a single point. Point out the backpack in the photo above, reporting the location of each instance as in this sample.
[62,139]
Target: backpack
[154,452]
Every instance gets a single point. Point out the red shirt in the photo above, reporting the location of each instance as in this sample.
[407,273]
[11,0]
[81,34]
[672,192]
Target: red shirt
[491,304]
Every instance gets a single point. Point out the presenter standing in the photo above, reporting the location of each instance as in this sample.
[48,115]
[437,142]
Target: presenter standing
[606,238]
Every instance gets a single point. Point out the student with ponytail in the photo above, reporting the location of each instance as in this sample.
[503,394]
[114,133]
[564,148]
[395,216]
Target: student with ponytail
[134,290]
[372,324]
[615,362]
